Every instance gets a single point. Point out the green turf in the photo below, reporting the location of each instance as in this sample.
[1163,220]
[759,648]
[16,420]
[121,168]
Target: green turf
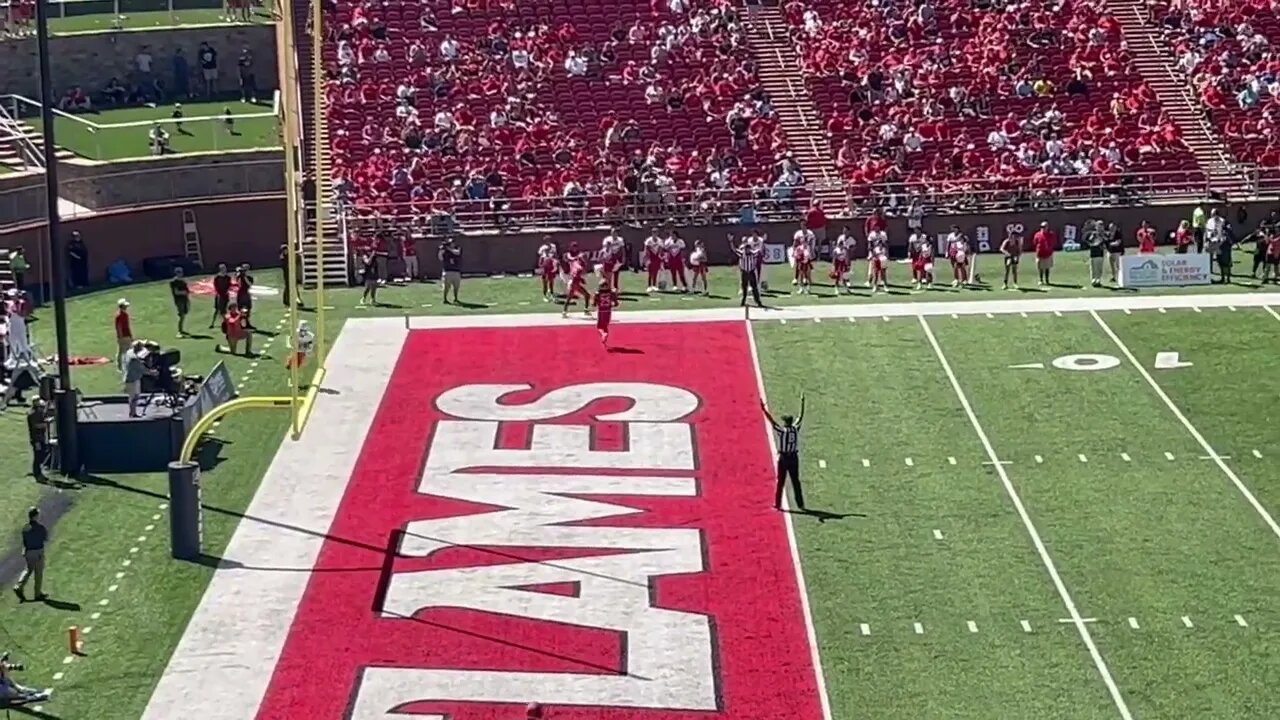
[145,20]
[1151,538]
[85,134]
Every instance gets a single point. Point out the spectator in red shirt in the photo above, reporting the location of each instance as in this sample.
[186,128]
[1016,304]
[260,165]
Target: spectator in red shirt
[815,221]
[1147,239]
[409,251]
[1182,239]
[1045,241]
[124,332]
[875,221]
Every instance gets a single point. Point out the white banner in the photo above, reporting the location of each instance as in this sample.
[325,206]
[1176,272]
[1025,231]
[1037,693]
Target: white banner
[1137,271]
[775,253]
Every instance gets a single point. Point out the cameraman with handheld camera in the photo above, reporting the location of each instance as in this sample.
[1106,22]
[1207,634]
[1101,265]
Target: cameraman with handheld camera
[11,693]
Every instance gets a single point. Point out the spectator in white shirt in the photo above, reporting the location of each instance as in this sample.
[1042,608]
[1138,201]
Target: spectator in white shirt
[520,59]
[449,48]
[143,61]
[912,141]
[575,64]
[497,117]
[996,140]
[444,120]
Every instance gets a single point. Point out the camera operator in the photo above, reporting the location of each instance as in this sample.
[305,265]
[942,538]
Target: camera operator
[135,367]
[13,693]
[38,435]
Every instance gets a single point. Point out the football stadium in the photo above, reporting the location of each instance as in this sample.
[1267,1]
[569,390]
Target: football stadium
[667,360]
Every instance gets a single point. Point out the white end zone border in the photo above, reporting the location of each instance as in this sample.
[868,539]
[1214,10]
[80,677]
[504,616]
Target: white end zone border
[224,661]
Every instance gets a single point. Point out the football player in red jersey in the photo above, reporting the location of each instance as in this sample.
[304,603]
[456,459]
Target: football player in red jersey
[547,269]
[577,262]
[606,301]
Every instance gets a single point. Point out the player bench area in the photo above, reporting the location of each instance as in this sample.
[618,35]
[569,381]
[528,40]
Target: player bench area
[1052,508]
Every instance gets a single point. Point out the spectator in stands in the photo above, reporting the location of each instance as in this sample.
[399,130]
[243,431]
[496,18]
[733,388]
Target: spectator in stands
[75,100]
[142,63]
[115,92]
[248,80]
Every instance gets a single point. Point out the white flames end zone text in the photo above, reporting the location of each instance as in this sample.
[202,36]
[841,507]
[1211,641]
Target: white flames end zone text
[669,663]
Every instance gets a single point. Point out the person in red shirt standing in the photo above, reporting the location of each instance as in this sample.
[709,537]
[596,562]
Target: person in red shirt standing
[1045,241]
[815,221]
[1182,239]
[124,332]
[1147,238]
[409,251]
[577,262]
[606,301]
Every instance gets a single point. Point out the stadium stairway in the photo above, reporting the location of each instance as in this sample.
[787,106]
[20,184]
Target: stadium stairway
[1155,64]
[781,77]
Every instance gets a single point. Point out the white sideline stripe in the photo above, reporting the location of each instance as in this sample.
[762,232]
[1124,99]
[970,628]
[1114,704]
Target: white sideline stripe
[1026,626]
[231,647]
[937,534]
[973,626]
[864,628]
[791,538]
[1133,623]
[1204,444]
[1049,565]
[1187,621]
[848,311]
[1241,621]
[919,628]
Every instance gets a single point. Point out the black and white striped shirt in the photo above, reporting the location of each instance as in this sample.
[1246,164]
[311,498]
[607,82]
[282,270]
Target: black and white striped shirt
[788,437]
[747,260]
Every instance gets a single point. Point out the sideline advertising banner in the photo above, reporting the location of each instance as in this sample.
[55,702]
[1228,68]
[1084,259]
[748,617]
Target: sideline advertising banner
[1139,271]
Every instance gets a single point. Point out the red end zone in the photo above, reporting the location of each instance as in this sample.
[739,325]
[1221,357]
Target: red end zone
[592,531]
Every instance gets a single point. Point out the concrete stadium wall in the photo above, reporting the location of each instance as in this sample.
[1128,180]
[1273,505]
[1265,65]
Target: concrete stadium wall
[90,60]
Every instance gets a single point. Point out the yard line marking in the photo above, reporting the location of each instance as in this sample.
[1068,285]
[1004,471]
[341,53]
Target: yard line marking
[1168,455]
[1210,457]
[1083,458]
[104,602]
[1083,620]
[1187,621]
[155,517]
[164,505]
[1257,454]
[1241,622]
[95,616]
[998,463]
[1039,459]
[1125,457]
[1162,310]
[951,460]
[1133,623]
[1026,626]
[822,463]
[133,550]
[1232,308]
[68,660]
[1204,444]
[866,462]
[119,575]
[802,586]
[783,321]
[865,628]
[990,316]
[1012,492]
[955,316]
[142,538]
[910,462]
[937,534]
[1057,313]
[126,563]
[919,628]
[1274,314]
[973,626]
[149,528]
[817,319]
[113,588]
[87,630]
[1127,311]
[57,676]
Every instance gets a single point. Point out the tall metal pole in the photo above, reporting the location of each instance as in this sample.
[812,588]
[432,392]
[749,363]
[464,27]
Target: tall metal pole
[65,398]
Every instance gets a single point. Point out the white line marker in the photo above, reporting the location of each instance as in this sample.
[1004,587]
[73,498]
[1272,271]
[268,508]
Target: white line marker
[1274,314]
[1232,308]
[937,534]
[866,462]
[1210,457]
[910,462]
[919,628]
[155,517]
[1057,313]
[1257,454]
[149,528]
[523,302]
[822,464]
[1204,444]
[113,588]
[1039,459]
[126,563]
[885,318]
[1168,455]
[253,364]
[782,321]
[1071,620]
[1133,623]
[87,630]
[133,550]
[1026,626]
[1083,458]
[1067,601]
[68,660]
[817,319]
[142,538]
[1127,311]
[1187,621]
[955,316]
[1022,314]
[1241,622]
[1125,457]
[865,628]
[164,505]
[1197,309]
[998,463]
[1162,311]
[853,320]
[104,602]
[57,676]
[119,576]
[951,460]
[990,316]
[1027,366]
[973,626]
[95,616]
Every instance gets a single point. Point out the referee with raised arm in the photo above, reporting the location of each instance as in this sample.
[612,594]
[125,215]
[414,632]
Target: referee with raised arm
[788,437]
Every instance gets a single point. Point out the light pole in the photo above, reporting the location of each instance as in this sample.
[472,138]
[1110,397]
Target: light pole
[65,398]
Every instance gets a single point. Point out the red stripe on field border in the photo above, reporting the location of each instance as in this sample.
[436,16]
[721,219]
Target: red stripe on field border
[748,588]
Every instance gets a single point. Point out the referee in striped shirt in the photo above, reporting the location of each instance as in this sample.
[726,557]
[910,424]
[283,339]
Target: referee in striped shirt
[748,268]
[788,437]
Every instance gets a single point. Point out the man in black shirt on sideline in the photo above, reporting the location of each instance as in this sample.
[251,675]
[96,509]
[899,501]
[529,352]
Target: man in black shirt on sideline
[38,435]
[221,294]
[787,435]
[181,299]
[450,268]
[34,538]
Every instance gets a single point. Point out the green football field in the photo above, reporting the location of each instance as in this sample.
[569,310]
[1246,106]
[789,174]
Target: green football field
[99,135]
[1087,535]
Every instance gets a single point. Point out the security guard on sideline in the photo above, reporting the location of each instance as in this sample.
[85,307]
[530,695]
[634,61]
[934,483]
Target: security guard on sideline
[787,435]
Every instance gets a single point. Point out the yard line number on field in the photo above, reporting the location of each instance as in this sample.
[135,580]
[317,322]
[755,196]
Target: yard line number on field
[1049,565]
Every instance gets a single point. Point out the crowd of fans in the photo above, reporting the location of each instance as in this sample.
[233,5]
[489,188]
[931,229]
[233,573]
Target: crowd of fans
[1225,52]
[955,96]
[491,106]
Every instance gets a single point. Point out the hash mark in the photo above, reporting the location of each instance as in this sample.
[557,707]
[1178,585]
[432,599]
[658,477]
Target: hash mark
[104,602]
[1196,308]
[817,319]
[951,460]
[1057,313]
[822,463]
[1125,457]
[1039,459]
[885,318]
[1215,457]
[865,628]
[853,320]
[1162,310]
[1241,622]
[57,676]
[990,316]
[133,550]
[95,616]
[1133,623]
[1168,455]
[1071,620]
[998,462]
[1257,454]
[973,626]
[1083,458]
[1127,311]
[910,462]
[937,534]
[164,505]
[1232,308]
[1023,314]
[119,575]
[1026,626]
[866,462]
[783,321]
[68,660]
[954,316]
[1187,621]
[919,628]
[113,588]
